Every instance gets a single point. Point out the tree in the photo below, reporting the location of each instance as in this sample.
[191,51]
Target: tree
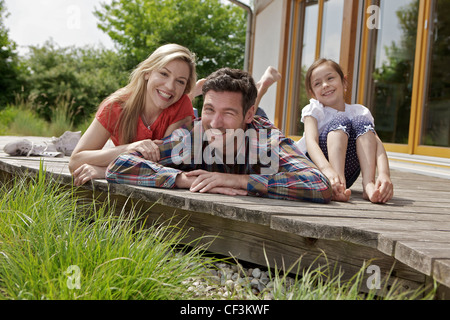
[79,78]
[9,62]
[215,32]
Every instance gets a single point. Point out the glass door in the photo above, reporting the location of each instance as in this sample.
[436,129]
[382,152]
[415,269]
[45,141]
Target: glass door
[436,105]
[391,69]
[405,78]
[320,26]
[308,56]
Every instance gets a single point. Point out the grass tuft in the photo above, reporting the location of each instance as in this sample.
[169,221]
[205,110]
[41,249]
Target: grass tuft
[50,249]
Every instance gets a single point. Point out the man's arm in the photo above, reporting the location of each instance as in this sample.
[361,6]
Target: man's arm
[216,182]
[135,170]
[132,168]
[297,178]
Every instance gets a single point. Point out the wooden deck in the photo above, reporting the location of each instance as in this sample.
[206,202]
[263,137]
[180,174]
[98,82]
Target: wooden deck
[410,235]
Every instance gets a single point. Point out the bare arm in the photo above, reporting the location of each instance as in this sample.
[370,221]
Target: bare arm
[382,159]
[312,143]
[89,160]
[383,182]
[89,148]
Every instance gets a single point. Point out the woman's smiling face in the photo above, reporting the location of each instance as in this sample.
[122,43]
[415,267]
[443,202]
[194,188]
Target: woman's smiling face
[165,86]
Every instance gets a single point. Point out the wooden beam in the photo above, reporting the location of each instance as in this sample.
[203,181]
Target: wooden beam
[348,43]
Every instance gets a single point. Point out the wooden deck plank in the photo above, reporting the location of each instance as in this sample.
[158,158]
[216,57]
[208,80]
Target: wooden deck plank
[441,271]
[318,227]
[412,231]
[387,239]
[422,254]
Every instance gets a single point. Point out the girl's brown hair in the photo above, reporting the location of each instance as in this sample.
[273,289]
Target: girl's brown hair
[315,65]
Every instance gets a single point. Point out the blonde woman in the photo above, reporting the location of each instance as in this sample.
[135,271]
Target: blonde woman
[153,104]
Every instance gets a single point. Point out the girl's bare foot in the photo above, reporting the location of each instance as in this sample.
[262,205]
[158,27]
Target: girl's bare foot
[270,76]
[371,193]
[342,196]
[197,89]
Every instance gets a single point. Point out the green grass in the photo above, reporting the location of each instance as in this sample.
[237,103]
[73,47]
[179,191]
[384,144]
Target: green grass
[49,240]
[326,282]
[21,118]
[18,120]
[54,245]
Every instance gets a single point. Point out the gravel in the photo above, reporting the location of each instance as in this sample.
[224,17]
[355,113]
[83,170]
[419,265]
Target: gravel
[235,281]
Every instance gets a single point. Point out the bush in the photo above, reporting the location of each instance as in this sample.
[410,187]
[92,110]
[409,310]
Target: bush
[21,119]
[83,76]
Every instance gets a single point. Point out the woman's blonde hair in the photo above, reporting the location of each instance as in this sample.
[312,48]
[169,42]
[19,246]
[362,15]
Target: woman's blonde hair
[132,96]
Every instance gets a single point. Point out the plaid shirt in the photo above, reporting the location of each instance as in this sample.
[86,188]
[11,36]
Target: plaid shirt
[293,177]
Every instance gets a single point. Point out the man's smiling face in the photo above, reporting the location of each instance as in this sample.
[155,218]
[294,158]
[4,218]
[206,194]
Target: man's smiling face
[222,115]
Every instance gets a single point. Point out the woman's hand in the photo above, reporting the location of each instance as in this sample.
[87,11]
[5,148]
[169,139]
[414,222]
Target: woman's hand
[87,172]
[148,148]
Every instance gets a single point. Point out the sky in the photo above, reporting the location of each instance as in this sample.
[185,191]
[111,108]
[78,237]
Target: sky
[67,22]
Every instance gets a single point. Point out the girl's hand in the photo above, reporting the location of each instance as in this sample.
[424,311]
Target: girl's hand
[148,148]
[385,187]
[340,193]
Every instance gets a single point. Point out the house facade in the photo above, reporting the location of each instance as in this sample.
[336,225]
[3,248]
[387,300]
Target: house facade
[396,55]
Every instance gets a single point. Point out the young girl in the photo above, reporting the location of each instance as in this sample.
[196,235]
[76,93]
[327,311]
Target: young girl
[340,138]
[136,117]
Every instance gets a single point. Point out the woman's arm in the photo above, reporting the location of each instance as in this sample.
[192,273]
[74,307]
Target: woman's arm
[89,149]
[89,160]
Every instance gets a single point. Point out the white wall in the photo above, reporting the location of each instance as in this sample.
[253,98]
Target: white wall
[267,49]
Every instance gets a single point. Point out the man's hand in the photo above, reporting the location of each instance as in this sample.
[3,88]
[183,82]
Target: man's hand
[213,182]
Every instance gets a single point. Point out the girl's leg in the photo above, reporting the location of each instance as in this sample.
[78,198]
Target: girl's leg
[197,91]
[333,142]
[270,76]
[337,142]
[366,148]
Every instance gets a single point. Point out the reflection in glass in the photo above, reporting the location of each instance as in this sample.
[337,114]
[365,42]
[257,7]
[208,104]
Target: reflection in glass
[436,120]
[308,53]
[330,47]
[392,79]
